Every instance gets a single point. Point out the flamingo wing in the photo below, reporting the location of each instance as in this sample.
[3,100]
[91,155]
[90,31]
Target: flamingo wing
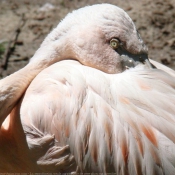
[121,123]
[164,68]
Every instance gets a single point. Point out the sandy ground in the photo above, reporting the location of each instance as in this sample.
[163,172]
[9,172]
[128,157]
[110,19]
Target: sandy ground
[33,20]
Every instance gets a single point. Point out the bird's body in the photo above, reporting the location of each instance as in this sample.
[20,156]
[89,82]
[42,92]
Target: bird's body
[121,123]
[103,98]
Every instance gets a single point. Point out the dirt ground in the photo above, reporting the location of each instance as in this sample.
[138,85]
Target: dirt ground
[25,23]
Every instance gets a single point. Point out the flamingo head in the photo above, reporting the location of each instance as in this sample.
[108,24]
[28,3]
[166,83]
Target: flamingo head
[101,36]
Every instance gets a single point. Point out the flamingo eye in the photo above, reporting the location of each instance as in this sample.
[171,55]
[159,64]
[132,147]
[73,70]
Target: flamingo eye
[114,43]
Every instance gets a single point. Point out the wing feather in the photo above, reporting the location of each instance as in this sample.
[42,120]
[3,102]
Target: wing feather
[121,123]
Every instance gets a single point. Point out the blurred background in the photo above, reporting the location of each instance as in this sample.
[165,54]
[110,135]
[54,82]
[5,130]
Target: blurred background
[25,23]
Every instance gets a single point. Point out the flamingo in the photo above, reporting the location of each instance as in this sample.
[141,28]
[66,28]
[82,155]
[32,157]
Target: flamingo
[103,106]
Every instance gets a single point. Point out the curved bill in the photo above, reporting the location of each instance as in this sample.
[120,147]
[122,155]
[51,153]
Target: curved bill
[132,60]
[135,60]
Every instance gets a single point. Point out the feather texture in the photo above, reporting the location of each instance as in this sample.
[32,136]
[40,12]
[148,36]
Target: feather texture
[121,123]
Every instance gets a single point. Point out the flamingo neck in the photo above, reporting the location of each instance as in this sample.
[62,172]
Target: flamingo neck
[14,86]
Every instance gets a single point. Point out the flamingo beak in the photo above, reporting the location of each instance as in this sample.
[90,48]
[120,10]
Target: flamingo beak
[131,60]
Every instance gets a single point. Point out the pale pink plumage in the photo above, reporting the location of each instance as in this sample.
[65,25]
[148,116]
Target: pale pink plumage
[111,118]
[121,123]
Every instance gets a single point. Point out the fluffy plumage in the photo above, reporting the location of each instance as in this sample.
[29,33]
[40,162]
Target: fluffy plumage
[112,107]
[121,123]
